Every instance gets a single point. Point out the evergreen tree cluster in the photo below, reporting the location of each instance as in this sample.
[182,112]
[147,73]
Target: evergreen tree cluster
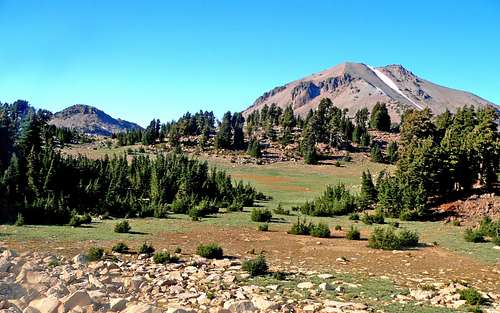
[438,157]
[37,182]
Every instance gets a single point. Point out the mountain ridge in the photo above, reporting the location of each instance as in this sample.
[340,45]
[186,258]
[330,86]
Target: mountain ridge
[355,85]
[91,120]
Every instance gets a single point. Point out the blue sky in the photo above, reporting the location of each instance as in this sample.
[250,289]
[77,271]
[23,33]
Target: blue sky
[144,59]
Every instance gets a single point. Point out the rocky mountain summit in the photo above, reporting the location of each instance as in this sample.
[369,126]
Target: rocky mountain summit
[44,283]
[357,85]
[90,120]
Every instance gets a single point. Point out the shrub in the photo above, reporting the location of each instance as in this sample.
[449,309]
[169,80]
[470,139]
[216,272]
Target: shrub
[164,257]
[471,296]
[178,250]
[338,227]
[210,251]
[472,235]
[263,227]
[280,210]
[77,220]
[180,205]
[394,224]
[354,216]
[408,238]
[120,248]
[353,234]
[456,223]
[235,206]
[146,248]
[19,220]
[255,267]
[122,227]
[388,239]
[300,228]
[409,215]
[490,228]
[376,218]
[95,254]
[320,230]
[496,240]
[53,263]
[335,200]
[261,215]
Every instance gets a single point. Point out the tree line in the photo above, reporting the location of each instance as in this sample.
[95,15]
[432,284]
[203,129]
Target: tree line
[439,158]
[44,187]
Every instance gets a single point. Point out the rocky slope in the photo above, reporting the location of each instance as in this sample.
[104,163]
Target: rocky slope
[357,85]
[43,283]
[90,120]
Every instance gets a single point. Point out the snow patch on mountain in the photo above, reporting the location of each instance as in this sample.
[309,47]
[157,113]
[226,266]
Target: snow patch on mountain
[392,85]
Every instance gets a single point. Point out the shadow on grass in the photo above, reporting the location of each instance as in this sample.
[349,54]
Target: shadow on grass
[137,233]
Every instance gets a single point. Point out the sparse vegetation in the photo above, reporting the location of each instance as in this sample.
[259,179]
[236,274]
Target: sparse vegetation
[122,227]
[261,215]
[473,235]
[263,227]
[353,234]
[164,257]
[376,218]
[95,254]
[387,239]
[210,251]
[146,248]
[255,267]
[120,248]
[320,230]
[471,296]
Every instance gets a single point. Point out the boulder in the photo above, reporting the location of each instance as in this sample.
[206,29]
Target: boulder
[46,305]
[262,303]
[241,306]
[117,304]
[142,308]
[305,285]
[78,298]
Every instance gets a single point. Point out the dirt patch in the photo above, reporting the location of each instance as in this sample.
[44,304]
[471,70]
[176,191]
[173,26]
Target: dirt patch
[285,251]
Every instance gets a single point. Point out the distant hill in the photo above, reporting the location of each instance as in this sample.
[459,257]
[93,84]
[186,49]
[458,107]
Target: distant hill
[90,120]
[357,85]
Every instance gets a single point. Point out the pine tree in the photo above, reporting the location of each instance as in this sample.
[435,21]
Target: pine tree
[254,148]
[223,137]
[308,147]
[392,152]
[368,194]
[288,118]
[380,118]
[376,154]
[238,138]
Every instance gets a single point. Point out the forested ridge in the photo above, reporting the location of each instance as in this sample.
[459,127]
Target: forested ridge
[41,186]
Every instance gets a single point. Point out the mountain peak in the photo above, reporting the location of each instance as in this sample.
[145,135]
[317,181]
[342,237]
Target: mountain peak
[352,86]
[90,120]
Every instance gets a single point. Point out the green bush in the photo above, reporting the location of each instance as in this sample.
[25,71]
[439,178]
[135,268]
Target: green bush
[408,238]
[95,254]
[19,220]
[354,216]
[472,235]
[300,228]
[320,230]
[120,248]
[164,257]
[261,215]
[353,234]
[235,206]
[178,250]
[335,200]
[489,227]
[180,205]
[394,224]
[338,227]
[255,267]
[496,240]
[210,251]
[471,296]
[409,215]
[387,239]
[263,227]
[146,248]
[280,210]
[376,218]
[78,220]
[122,227]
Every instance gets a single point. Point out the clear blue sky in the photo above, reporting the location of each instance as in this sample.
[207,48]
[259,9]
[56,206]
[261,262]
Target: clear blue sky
[144,59]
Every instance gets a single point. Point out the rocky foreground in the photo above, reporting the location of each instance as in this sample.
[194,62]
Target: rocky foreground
[36,283]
